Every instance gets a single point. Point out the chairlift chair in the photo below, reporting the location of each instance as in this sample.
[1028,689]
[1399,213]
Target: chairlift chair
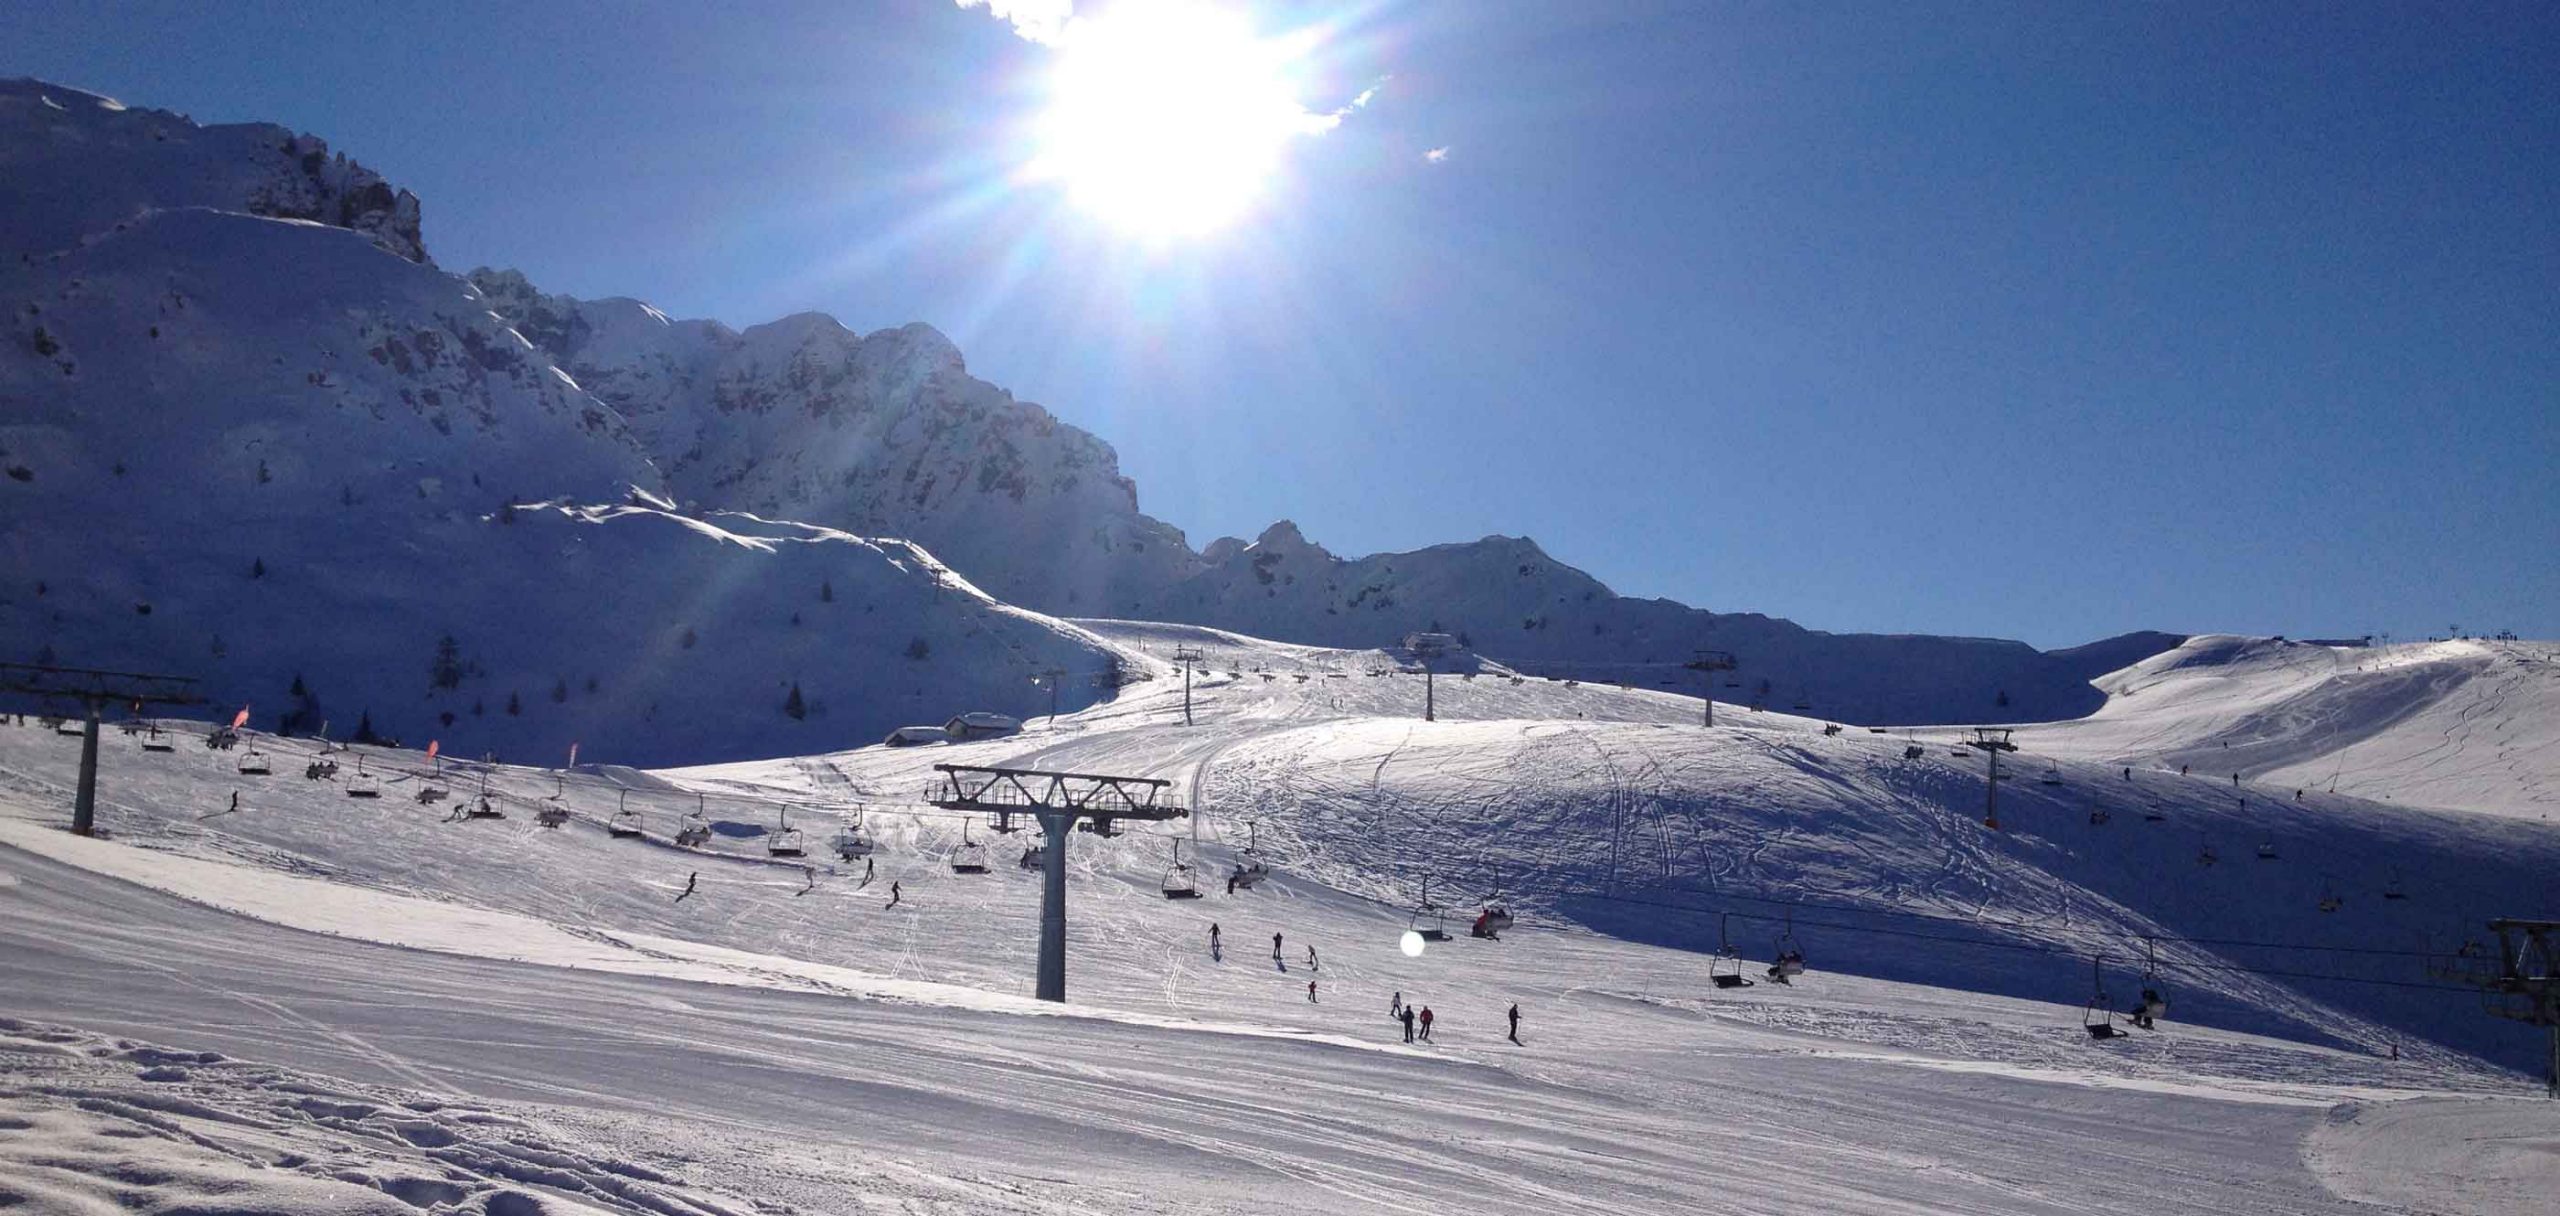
[2098,816]
[625,821]
[2098,1017]
[2052,775]
[1788,961]
[2329,901]
[252,763]
[2393,890]
[852,841]
[1179,882]
[1250,868]
[156,741]
[970,857]
[785,840]
[362,785]
[1492,921]
[1725,970]
[487,807]
[551,815]
[2266,850]
[1035,855]
[2153,1005]
[694,831]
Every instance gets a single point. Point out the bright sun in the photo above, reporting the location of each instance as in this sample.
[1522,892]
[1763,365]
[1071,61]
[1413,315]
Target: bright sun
[1167,119]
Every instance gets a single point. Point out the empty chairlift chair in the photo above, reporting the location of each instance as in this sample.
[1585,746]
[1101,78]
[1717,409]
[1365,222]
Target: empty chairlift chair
[1726,969]
[970,857]
[2098,1017]
[252,763]
[785,840]
[1429,920]
[362,785]
[2266,850]
[2052,775]
[626,821]
[155,740]
[1179,880]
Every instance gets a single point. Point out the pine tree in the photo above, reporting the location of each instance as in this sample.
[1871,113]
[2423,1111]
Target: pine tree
[446,670]
[515,705]
[257,567]
[364,728]
[826,592]
[299,691]
[793,706]
[559,690]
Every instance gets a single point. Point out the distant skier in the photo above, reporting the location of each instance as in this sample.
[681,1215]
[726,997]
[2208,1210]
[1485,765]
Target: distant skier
[1231,884]
[235,800]
[1406,1017]
[1276,958]
[2235,781]
[1395,1005]
[689,881]
[1515,1023]
[2128,772]
[1213,937]
[2297,795]
[1311,992]
[895,895]
[867,863]
[1311,960]
[2182,770]
[1426,1023]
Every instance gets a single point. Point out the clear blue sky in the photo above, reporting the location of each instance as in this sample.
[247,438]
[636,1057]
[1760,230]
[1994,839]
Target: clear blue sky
[2010,319]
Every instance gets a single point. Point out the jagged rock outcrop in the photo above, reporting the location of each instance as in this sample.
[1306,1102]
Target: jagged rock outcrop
[77,165]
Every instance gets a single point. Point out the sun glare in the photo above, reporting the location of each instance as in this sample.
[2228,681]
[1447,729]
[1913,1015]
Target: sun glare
[1168,119]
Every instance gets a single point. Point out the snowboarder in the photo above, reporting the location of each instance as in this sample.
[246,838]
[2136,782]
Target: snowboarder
[1311,992]
[895,895]
[1515,1023]
[1426,1023]
[1406,1017]
[689,881]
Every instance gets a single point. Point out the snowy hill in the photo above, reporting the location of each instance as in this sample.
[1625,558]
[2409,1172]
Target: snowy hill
[2465,724]
[79,164]
[781,1032]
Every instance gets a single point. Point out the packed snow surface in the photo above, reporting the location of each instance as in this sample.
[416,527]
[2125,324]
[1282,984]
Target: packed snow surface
[317,999]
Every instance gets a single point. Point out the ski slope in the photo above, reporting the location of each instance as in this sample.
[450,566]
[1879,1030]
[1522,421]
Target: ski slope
[783,1036]
[2464,724]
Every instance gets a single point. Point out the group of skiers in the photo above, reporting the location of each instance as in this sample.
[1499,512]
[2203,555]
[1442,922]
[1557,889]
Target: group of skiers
[1416,1019]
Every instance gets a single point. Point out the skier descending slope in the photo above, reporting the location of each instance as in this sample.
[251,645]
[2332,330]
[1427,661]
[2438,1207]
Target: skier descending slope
[689,881]
[1515,1023]
[1311,992]
[1276,960]
[895,895]
[1217,953]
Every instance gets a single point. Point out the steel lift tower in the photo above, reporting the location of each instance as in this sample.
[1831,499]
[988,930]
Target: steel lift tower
[1993,741]
[1707,664]
[93,691]
[1058,801]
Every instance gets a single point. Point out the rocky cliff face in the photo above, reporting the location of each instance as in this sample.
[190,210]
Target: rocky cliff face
[885,433]
[78,164]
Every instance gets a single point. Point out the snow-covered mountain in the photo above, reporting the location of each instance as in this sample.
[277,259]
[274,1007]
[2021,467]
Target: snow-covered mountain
[274,453]
[1504,597]
[78,164]
[887,433]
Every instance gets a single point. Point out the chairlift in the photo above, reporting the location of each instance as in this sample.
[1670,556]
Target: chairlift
[2266,850]
[2052,775]
[430,795]
[362,785]
[2329,901]
[2098,816]
[65,726]
[1492,921]
[2392,889]
[551,815]
[970,857]
[1788,960]
[1725,970]
[1437,928]
[1035,855]
[2205,856]
[785,840]
[694,831]
[625,821]
[252,763]
[852,841]
[488,807]
[2098,1017]
[2153,1005]
[1179,883]
[1250,867]
[158,741]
